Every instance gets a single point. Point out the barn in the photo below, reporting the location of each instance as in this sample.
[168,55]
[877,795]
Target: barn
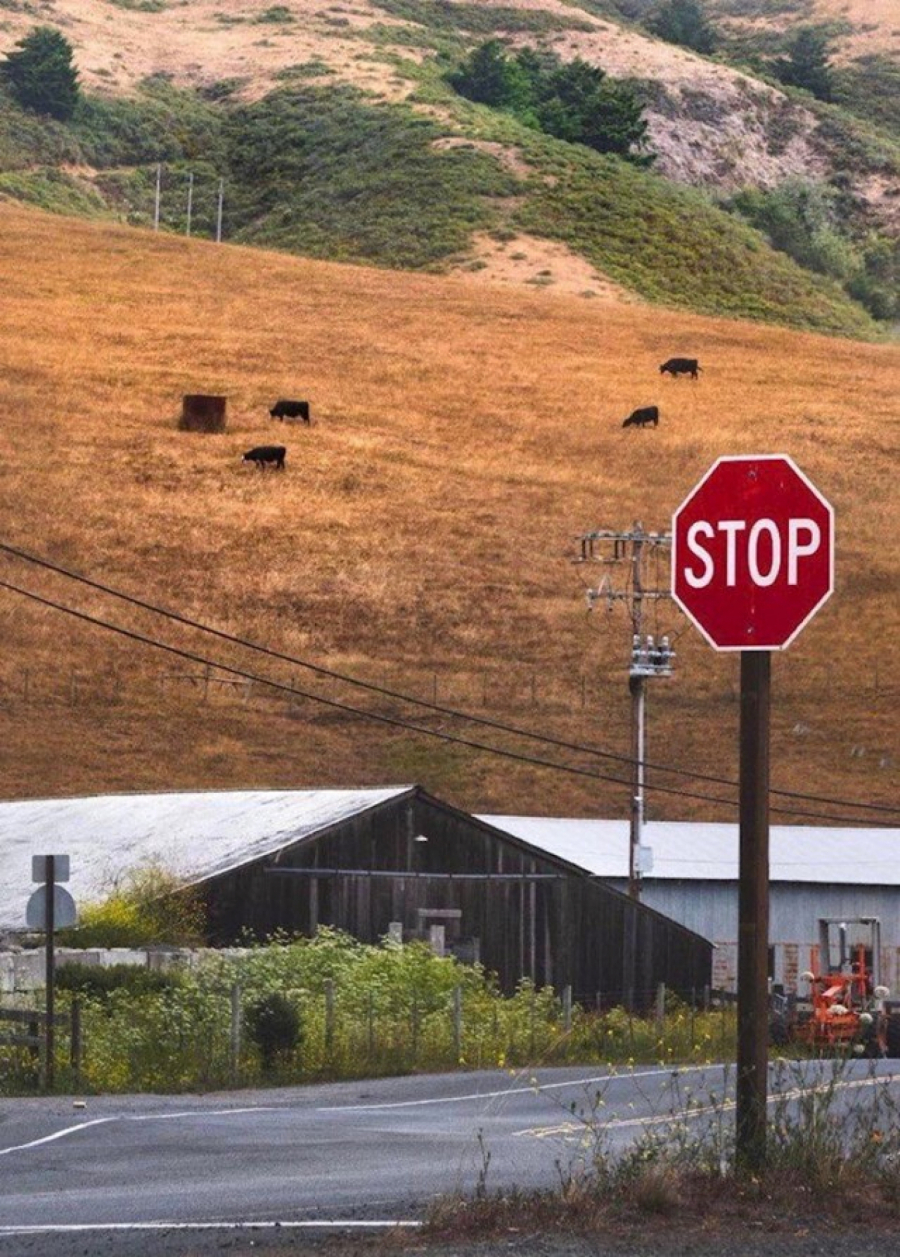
[842,873]
[372,862]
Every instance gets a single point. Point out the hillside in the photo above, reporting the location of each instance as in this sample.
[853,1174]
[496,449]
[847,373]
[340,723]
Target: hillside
[422,534]
[198,86]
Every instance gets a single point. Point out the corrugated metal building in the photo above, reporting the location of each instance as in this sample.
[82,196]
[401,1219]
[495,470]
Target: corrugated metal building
[814,872]
[360,860]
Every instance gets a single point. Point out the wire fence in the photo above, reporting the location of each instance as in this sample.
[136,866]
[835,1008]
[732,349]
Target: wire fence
[512,691]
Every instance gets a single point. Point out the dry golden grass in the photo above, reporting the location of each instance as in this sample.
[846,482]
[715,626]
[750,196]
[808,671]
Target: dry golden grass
[423,526]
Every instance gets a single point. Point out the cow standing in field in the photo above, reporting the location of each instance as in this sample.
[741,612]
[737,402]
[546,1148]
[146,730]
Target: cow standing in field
[263,455]
[285,408]
[642,417]
[681,366]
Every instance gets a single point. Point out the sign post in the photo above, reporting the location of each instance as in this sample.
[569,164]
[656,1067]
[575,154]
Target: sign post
[50,905]
[752,562]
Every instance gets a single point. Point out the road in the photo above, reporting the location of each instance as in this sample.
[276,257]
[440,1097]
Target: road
[365,1151]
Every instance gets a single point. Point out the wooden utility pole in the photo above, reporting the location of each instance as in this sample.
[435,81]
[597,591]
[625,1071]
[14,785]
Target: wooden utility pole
[753,911]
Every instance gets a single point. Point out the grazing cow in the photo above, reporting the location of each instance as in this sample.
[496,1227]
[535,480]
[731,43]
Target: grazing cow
[681,366]
[642,416]
[287,409]
[263,454]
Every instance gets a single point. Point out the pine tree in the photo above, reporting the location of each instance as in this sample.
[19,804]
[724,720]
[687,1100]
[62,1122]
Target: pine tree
[683,22]
[41,75]
[807,64]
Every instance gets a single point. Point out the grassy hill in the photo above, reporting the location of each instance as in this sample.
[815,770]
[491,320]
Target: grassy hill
[338,136]
[422,533]
[327,173]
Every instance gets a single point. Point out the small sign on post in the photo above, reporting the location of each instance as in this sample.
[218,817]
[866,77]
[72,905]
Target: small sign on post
[49,907]
[752,562]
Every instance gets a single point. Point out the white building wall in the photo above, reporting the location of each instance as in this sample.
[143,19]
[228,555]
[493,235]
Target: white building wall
[711,909]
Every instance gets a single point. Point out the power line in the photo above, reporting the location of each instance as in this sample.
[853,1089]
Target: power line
[440,709]
[393,721]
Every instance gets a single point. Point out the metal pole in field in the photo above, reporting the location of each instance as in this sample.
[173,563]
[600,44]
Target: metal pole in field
[49,1045]
[190,202]
[753,911]
[219,211]
[158,197]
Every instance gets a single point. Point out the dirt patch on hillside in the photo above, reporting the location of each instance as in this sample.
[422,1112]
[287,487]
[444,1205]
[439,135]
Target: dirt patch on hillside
[544,264]
[209,41]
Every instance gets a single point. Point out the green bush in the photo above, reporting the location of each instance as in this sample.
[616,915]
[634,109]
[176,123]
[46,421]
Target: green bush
[273,1024]
[151,905]
[98,981]
[683,22]
[807,63]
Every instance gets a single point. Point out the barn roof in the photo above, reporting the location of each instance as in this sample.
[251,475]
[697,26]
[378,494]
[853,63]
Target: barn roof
[200,835]
[701,851]
[196,835]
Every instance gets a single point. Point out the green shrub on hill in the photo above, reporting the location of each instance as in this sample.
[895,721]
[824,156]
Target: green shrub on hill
[572,100]
[481,19]
[683,22]
[328,174]
[870,87]
[671,244]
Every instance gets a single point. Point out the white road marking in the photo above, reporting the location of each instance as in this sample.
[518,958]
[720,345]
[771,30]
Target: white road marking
[326,1224]
[133,1117]
[535,1089]
[60,1134]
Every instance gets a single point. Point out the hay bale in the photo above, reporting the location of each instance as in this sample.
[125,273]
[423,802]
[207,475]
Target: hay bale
[202,412]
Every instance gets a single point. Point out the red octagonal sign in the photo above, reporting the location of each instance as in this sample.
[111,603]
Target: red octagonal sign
[752,553]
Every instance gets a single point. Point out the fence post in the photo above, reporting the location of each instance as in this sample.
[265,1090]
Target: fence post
[706,999]
[415,1026]
[661,1009]
[567,1008]
[75,1040]
[235,1039]
[329,1017]
[370,1013]
[532,1028]
[693,1017]
[457,1022]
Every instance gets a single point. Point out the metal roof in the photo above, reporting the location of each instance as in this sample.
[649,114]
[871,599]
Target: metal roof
[196,836]
[700,851]
[199,835]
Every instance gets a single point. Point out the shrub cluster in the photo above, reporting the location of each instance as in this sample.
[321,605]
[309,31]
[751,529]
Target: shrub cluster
[573,101]
[332,1007]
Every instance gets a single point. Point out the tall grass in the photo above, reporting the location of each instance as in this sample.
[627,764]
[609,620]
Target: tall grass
[363,1011]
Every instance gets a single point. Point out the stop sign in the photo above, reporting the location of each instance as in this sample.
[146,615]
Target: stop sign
[752,552]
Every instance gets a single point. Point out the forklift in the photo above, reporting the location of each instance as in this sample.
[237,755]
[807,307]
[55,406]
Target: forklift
[846,1009]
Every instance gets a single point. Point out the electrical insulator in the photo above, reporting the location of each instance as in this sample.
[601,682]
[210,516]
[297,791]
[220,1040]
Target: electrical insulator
[636,649]
[649,652]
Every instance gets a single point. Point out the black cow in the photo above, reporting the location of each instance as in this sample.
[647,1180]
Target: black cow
[287,409]
[681,366]
[642,416]
[263,454]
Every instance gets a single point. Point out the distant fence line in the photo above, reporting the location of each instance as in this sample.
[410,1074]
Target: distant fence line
[499,689]
[511,690]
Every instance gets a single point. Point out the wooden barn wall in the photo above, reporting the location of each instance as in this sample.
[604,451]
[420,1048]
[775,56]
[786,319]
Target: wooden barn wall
[537,920]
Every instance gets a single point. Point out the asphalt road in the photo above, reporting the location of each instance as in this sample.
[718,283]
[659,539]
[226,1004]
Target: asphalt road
[362,1152]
